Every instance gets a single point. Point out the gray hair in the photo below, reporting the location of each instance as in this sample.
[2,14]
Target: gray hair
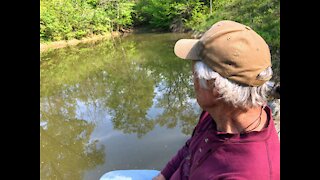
[237,95]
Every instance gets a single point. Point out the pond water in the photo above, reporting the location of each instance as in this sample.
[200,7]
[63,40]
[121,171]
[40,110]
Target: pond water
[124,103]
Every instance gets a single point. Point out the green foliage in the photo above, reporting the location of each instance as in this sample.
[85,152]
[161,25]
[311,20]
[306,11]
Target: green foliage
[68,19]
[165,14]
[261,15]
[125,10]
[199,16]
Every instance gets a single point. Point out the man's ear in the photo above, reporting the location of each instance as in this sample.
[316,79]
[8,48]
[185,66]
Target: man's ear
[211,86]
[210,83]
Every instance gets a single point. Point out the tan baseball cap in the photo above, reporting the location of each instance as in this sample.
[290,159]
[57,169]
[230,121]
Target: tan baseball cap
[231,49]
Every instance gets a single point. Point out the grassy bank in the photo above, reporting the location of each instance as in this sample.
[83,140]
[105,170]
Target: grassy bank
[65,43]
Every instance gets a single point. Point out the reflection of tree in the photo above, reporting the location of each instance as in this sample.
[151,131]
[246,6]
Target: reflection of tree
[177,105]
[177,109]
[132,79]
[130,94]
[175,83]
[118,77]
[122,74]
[65,150]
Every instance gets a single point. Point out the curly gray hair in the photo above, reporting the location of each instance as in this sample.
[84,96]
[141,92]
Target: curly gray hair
[237,95]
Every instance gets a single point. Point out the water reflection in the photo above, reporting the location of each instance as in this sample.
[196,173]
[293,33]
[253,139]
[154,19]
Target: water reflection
[136,83]
[64,142]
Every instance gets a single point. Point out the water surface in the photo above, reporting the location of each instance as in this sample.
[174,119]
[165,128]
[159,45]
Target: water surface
[125,103]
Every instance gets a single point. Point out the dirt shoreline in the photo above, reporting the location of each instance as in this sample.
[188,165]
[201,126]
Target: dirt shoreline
[61,44]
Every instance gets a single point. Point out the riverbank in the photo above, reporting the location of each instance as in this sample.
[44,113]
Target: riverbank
[61,44]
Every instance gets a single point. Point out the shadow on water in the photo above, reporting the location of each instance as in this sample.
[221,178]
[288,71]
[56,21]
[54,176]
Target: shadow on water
[94,98]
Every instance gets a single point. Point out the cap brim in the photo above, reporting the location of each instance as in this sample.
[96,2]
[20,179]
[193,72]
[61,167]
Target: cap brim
[187,49]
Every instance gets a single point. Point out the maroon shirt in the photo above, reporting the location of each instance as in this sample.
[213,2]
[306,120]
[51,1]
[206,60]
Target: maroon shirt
[214,155]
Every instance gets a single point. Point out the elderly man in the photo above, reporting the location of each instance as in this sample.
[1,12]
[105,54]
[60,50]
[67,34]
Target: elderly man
[235,137]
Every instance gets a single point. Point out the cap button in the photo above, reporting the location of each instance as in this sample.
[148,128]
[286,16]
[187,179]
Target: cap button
[247,27]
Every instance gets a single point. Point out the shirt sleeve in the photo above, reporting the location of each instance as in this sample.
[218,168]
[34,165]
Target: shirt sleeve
[174,163]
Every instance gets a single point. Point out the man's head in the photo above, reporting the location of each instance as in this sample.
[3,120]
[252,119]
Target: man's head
[231,49]
[211,88]
[233,60]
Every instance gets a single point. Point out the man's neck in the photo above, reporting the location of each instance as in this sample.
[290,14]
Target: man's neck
[234,120]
